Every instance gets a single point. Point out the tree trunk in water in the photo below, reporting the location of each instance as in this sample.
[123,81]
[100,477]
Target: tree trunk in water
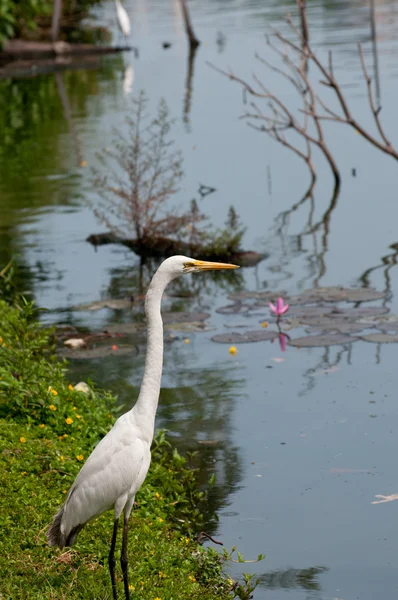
[193,40]
[56,18]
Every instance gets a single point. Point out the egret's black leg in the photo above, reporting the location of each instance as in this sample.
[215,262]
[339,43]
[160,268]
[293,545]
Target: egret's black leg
[111,559]
[124,559]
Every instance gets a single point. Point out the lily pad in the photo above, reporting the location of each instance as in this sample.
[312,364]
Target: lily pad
[237,308]
[235,337]
[301,312]
[383,320]
[253,295]
[187,327]
[320,341]
[125,328]
[113,303]
[184,317]
[340,294]
[381,338]
[356,313]
[387,326]
[97,352]
[338,327]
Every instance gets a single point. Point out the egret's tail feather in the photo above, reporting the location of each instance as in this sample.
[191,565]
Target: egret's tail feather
[54,535]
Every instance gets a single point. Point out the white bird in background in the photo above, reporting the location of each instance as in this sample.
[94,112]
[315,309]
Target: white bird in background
[117,467]
[123,19]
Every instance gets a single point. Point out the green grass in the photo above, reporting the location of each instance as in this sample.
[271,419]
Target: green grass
[47,431]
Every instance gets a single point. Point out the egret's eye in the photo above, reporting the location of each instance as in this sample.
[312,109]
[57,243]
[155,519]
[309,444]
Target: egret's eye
[189,265]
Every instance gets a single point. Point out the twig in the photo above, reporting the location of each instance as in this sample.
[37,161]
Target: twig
[206,535]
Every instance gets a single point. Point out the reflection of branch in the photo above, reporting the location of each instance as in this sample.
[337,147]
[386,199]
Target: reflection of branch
[193,40]
[311,229]
[324,363]
[387,263]
[188,83]
[63,94]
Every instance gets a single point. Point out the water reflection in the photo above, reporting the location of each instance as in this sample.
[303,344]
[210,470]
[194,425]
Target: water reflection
[316,262]
[287,579]
[189,85]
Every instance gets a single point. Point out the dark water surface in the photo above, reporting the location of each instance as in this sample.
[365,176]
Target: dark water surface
[301,445]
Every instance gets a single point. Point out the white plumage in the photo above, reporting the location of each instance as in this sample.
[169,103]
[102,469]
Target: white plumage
[123,18]
[117,467]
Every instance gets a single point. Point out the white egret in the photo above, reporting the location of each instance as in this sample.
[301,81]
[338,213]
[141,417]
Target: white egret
[123,19]
[117,467]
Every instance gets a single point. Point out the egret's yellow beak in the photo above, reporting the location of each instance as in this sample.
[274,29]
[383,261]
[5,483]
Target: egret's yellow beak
[204,265]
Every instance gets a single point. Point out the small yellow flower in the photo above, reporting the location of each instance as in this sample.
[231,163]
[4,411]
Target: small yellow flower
[159,518]
[42,426]
[23,473]
[78,416]
[162,575]
[187,341]
[61,458]
[52,391]
[80,457]
[132,588]
[52,407]
[233,350]
[264,324]
[64,491]
[65,435]
[191,578]
[157,598]
[70,387]
[69,421]
[157,495]
[22,440]
[74,408]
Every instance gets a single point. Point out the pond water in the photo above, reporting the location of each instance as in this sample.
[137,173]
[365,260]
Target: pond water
[302,440]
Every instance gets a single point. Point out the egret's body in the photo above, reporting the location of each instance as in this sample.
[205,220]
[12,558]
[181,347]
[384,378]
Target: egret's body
[117,467]
[123,19]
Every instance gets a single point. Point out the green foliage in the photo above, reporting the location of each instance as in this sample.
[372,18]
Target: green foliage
[17,17]
[47,430]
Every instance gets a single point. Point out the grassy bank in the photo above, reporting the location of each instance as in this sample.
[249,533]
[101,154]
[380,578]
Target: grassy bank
[47,431]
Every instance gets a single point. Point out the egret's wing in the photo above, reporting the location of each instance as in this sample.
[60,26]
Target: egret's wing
[116,467]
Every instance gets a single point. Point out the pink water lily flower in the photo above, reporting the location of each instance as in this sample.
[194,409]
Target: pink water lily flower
[280,307]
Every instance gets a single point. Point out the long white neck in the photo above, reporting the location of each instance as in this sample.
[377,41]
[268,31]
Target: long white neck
[147,403]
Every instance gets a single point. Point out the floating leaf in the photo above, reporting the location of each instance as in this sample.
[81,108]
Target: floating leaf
[301,312]
[184,317]
[253,295]
[98,352]
[381,338]
[339,327]
[340,294]
[114,304]
[235,309]
[319,341]
[189,327]
[258,335]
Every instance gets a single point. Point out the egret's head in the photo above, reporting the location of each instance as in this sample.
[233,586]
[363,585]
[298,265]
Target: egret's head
[178,265]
